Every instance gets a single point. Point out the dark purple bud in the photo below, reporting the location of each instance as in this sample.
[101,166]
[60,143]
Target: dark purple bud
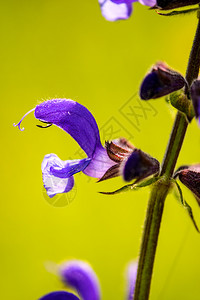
[171,4]
[195,95]
[161,81]
[190,177]
[140,165]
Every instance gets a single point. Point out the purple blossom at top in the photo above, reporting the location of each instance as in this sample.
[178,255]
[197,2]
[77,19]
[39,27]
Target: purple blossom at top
[114,10]
[80,277]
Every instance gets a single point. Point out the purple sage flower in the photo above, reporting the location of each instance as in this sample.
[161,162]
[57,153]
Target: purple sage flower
[76,120]
[80,277]
[118,157]
[114,10]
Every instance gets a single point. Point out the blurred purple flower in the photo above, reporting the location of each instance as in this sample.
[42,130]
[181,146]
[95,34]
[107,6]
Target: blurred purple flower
[80,277]
[114,10]
[60,295]
[131,279]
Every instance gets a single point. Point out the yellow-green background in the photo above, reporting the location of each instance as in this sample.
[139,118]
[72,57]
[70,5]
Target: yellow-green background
[67,49]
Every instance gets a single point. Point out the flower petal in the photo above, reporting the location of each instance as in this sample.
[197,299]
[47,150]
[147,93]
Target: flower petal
[74,118]
[58,174]
[80,276]
[131,278]
[99,164]
[60,295]
[113,12]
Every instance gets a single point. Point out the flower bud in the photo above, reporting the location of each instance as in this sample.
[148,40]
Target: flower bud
[190,177]
[161,81]
[195,95]
[171,4]
[139,165]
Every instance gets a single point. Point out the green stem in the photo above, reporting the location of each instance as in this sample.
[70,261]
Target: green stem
[161,187]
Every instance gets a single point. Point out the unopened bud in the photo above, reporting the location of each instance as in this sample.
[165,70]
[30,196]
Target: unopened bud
[139,165]
[190,177]
[161,81]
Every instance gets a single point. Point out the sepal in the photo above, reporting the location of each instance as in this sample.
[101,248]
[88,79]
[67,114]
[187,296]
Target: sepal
[132,186]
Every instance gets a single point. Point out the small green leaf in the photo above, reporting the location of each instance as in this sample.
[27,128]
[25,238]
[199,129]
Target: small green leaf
[132,186]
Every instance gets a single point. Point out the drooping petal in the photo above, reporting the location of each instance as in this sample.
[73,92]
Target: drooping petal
[99,164]
[139,165]
[80,276]
[60,295]
[113,12]
[75,119]
[58,174]
[131,279]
